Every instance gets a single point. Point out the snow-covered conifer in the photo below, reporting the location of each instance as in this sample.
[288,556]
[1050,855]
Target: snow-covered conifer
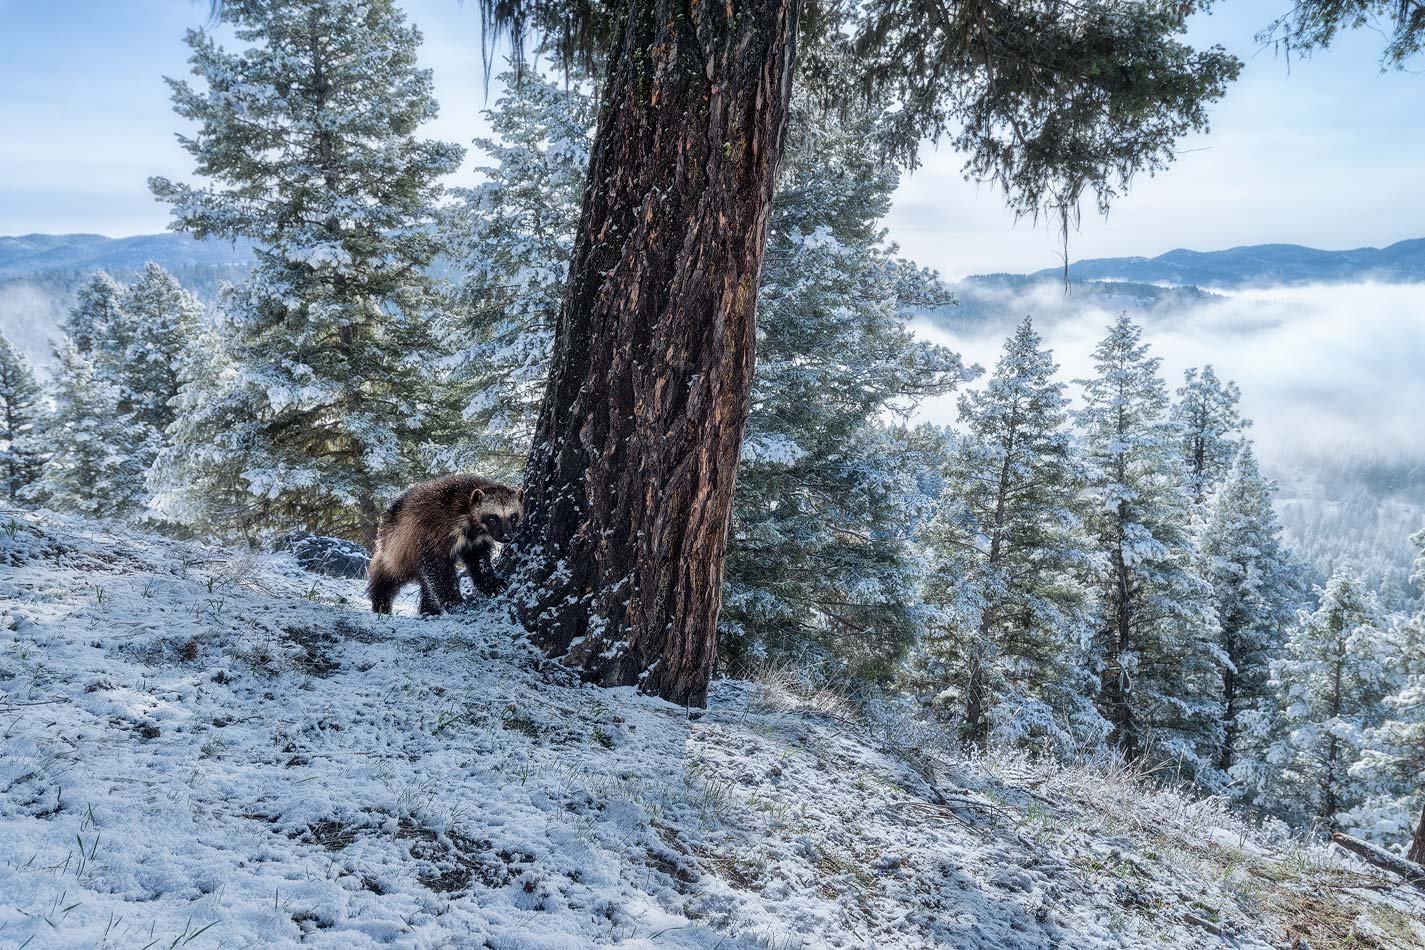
[20,410]
[1156,648]
[1211,425]
[511,238]
[1010,563]
[94,465]
[1335,672]
[1255,587]
[1393,761]
[831,491]
[308,139]
[97,318]
[163,319]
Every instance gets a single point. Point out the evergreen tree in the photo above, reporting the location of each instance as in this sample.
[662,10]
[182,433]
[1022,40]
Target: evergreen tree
[512,236]
[97,318]
[95,467]
[20,409]
[163,319]
[1158,660]
[309,140]
[1211,426]
[1393,762]
[1010,561]
[1331,682]
[1255,589]
[831,491]
[629,491]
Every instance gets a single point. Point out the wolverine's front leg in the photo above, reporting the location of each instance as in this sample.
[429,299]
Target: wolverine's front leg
[481,570]
[440,588]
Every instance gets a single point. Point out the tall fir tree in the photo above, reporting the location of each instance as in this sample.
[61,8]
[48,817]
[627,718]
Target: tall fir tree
[1255,589]
[1211,429]
[1336,670]
[95,466]
[632,472]
[97,318]
[308,139]
[1011,562]
[831,490]
[1156,649]
[511,237]
[163,319]
[21,456]
[1392,764]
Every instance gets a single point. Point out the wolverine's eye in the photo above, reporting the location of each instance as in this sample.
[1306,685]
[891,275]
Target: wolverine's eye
[514,520]
[490,521]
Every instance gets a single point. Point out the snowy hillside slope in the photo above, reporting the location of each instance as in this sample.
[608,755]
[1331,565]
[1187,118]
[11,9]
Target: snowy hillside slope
[201,748]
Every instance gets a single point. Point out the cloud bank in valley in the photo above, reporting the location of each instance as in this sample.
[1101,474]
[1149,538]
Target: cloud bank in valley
[1329,373]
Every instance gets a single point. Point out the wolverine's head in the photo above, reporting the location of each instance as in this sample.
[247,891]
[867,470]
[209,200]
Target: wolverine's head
[496,511]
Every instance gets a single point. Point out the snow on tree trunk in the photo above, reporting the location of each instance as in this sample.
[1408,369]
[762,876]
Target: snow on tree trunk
[630,483]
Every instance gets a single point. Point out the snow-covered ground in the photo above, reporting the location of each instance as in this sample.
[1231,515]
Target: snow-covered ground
[200,748]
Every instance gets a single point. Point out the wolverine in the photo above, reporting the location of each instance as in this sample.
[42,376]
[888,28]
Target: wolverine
[432,526]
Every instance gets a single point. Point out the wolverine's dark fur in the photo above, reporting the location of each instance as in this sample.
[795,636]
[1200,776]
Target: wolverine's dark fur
[429,528]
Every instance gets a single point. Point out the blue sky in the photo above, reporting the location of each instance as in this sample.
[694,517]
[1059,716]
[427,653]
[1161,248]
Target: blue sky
[1322,152]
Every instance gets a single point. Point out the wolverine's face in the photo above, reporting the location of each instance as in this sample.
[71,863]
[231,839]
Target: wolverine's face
[497,517]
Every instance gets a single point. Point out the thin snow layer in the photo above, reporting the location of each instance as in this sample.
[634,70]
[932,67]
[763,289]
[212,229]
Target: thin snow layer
[200,749]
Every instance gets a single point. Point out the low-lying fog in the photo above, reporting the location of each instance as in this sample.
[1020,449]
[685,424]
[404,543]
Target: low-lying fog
[1329,373]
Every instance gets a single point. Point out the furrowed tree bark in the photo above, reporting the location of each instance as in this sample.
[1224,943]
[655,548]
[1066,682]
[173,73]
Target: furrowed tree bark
[629,487]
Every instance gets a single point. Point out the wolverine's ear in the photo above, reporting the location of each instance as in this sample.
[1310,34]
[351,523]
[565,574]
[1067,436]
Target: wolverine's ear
[519,496]
[476,497]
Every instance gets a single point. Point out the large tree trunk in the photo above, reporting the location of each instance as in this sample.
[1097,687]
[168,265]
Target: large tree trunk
[629,487]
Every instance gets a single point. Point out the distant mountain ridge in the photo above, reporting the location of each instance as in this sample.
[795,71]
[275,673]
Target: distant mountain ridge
[1257,265]
[30,254]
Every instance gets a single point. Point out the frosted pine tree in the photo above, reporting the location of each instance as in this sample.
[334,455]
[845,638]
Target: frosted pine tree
[821,565]
[1156,648]
[1392,764]
[163,319]
[1331,682]
[1211,425]
[21,456]
[95,466]
[1255,589]
[511,237]
[308,140]
[97,317]
[1010,564]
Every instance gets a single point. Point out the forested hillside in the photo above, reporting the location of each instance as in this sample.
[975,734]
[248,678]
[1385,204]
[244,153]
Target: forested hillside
[205,747]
